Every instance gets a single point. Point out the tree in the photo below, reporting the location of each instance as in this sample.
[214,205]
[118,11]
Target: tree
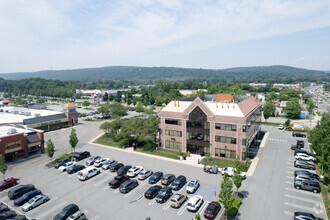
[287,122]
[159,101]
[237,179]
[139,107]
[197,216]
[106,126]
[226,191]
[117,110]
[310,106]
[3,165]
[103,110]
[50,149]
[292,109]
[73,139]
[268,110]
[106,97]
[86,103]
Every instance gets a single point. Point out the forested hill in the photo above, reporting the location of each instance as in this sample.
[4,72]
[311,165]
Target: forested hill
[253,74]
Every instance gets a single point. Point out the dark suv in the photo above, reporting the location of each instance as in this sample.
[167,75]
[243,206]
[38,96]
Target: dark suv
[61,162]
[311,185]
[301,143]
[168,179]
[178,182]
[26,197]
[123,170]
[304,164]
[67,212]
[128,185]
[155,177]
[298,134]
[304,216]
[81,155]
[164,194]
[75,168]
[18,191]
[115,167]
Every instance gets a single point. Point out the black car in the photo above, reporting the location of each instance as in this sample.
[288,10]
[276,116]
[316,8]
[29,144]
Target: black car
[313,175]
[115,167]
[304,216]
[128,185]
[26,197]
[155,177]
[167,179]
[152,192]
[66,212]
[298,134]
[19,217]
[61,162]
[310,185]
[123,170]
[75,168]
[164,194]
[178,182]
[297,151]
[81,155]
[296,147]
[304,164]
[7,214]
[301,143]
[18,191]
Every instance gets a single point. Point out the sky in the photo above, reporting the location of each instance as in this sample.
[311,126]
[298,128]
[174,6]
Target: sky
[212,34]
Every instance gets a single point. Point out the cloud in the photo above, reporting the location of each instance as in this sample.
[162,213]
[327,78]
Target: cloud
[70,34]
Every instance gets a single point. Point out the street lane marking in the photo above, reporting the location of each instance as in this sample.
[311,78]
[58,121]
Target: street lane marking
[135,189]
[203,207]
[152,202]
[166,206]
[303,192]
[304,207]
[182,209]
[291,168]
[51,210]
[116,190]
[287,182]
[99,183]
[290,177]
[305,200]
[288,213]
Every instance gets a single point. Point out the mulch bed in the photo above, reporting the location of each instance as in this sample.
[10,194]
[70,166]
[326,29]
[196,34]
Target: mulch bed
[49,165]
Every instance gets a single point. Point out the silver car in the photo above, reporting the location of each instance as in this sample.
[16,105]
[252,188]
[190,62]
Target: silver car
[144,174]
[34,202]
[107,164]
[192,186]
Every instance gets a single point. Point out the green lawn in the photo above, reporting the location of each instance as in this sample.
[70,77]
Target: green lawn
[218,162]
[108,141]
[271,123]
[162,152]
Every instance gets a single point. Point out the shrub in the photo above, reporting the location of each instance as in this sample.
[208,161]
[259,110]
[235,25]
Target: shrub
[235,204]
[62,157]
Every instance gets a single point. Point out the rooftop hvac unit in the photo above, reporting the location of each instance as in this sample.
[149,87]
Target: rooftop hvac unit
[12,131]
[6,110]
[27,113]
[15,112]
[37,115]
[22,113]
[1,110]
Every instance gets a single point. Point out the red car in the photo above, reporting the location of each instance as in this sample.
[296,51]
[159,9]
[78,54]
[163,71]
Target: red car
[212,210]
[117,181]
[5,184]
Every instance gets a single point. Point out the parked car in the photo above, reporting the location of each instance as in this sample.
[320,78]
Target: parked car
[3,207]
[34,202]
[87,173]
[177,200]
[164,194]
[167,179]
[304,177]
[20,190]
[304,216]
[230,172]
[134,171]
[61,162]
[123,170]
[303,152]
[91,160]
[100,162]
[195,203]
[313,175]
[298,134]
[78,215]
[107,164]
[311,185]
[296,147]
[81,155]
[117,181]
[115,167]
[65,166]
[304,164]
[179,182]
[9,182]
[75,168]
[7,215]
[152,192]
[192,186]
[144,174]
[212,210]
[301,143]
[301,156]
[66,212]
[19,217]
[128,185]
[280,127]
[26,197]
[155,177]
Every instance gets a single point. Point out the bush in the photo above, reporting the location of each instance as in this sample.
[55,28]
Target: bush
[66,155]
[236,203]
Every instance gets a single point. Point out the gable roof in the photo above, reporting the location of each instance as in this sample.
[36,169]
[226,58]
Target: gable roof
[248,105]
[69,105]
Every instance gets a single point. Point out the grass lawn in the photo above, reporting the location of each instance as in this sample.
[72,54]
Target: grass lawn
[162,152]
[218,162]
[108,141]
[271,123]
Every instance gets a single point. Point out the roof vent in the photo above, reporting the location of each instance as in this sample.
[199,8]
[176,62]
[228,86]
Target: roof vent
[12,131]
[37,115]
[27,113]
[15,112]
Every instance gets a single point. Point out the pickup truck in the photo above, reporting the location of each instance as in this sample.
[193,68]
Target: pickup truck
[117,181]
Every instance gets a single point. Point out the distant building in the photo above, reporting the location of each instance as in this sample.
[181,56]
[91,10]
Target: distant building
[292,86]
[258,84]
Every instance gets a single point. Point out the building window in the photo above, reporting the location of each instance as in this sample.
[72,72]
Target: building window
[225,153]
[173,145]
[243,141]
[227,140]
[226,127]
[173,121]
[173,133]
[207,125]
[244,128]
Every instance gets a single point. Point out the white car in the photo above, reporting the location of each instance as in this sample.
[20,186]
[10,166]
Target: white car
[230,172]
[65,166]
[144,174]
[302,156]
[134,171]
[195,203]
[280,127]
[192,186]
[100,162]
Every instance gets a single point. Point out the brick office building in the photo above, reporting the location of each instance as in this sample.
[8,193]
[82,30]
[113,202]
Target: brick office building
[222,125]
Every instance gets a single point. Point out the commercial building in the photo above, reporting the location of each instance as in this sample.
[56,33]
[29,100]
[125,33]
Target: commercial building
[17,141]
[222,125]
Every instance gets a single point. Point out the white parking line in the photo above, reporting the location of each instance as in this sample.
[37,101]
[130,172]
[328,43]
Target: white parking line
[203,207]
[134,190]
[288,213]
[287,182]
[152,202]
[290,172]
[182,209]
[43,205]
[290,177]
[304,207]
[99,183]
[305,200]
[166,206]
[291,159]
[302,192]
[51,210]
[291,168]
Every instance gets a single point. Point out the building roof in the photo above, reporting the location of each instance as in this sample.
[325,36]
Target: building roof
[6,100]
[4,130]
[29,121]
[69,105]
[248,105]
[11,103]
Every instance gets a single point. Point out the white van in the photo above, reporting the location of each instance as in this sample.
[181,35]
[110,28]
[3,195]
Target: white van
[88,173]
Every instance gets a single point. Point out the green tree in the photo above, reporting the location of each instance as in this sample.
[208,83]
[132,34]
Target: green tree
[103,110]
[237,179]
[106,127]
[86,103]
[159,101]
[268,110]
[287,122]
[197,216]
[106,97]
[115,126]
[117,110]
[73,139]
[50,149]
[292,109]
[3,166]
[139,107]
[226,191]
[310,106]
